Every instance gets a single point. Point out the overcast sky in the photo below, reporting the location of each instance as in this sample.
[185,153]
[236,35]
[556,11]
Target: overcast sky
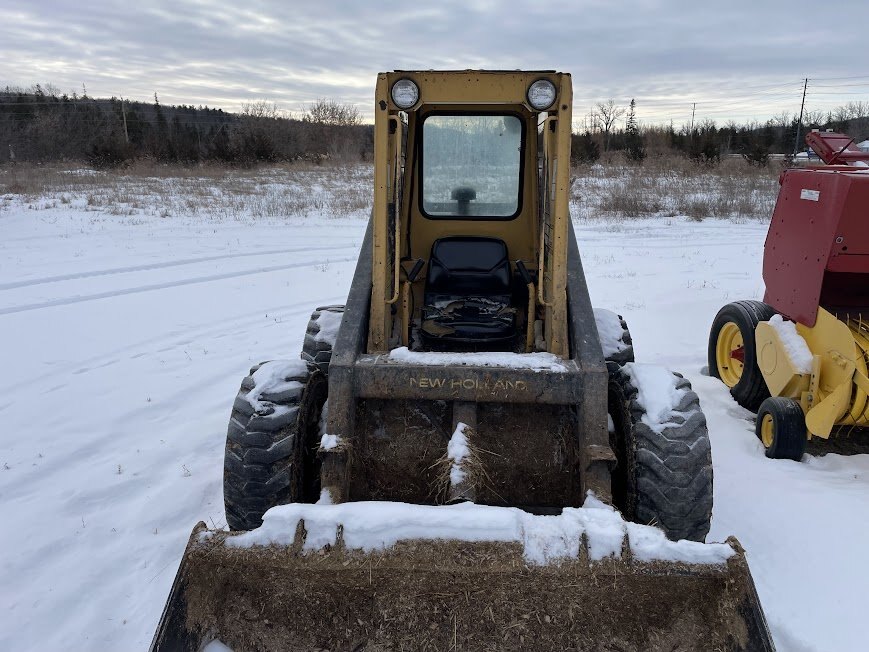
[743,60]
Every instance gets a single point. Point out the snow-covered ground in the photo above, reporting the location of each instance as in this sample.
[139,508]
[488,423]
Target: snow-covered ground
[123,338]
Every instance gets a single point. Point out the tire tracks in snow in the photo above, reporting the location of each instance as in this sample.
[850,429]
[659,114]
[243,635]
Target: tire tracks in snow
[162,286]
[154,266]
[234,325]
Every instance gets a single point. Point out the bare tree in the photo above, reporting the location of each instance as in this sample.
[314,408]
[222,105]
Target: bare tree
[330,112]
[814,118]
[857,109]
[261,109]
[606,114]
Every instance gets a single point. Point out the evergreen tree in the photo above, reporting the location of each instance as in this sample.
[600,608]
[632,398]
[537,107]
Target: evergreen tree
[634,146]
[584,149]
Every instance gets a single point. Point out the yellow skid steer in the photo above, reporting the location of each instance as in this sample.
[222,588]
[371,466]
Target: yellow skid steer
[466,457]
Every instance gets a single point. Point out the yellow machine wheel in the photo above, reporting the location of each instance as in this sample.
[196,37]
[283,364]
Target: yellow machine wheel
[732,356]
[781,428]
[729,344]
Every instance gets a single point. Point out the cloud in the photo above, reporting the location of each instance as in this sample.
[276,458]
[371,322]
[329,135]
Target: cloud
[739,59]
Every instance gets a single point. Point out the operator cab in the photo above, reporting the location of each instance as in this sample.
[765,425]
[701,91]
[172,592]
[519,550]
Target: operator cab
[465,252]
[471,170]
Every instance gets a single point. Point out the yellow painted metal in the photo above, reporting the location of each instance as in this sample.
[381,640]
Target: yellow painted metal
[492,87]
[833,341]
[836,392]
[555,324]
[729,341]
[529,324]
[380,321]
[405,312]
[824,415]
[396,149]
[394,177]
[767,430]
[860,403]
[782,376]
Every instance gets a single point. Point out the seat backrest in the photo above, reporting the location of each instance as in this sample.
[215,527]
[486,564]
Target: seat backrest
[469,266]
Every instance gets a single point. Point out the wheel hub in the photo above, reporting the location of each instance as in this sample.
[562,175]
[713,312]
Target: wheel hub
[766,430]
[730,354]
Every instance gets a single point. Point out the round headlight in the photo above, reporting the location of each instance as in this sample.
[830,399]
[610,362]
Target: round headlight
[405,93]
[541,94]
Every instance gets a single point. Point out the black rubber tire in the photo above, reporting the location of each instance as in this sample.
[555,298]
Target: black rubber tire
[270,456]
[788,428]
[751,390]
[616,360]
[662,479]
[315,351]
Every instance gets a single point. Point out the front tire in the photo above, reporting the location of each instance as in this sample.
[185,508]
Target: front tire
[661,478]
[781,428]
[615,338]
[271,441]
[732,351]
[320,336]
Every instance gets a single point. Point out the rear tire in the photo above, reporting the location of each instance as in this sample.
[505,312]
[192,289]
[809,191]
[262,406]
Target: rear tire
[662,479]
[317,349]
[733,330]
[781,428]
[270,454]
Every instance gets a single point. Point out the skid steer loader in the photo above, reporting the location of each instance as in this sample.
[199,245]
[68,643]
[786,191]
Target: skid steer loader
[466,457]
[799,358]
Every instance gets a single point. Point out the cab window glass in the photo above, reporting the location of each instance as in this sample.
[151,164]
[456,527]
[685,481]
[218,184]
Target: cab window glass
[471,166]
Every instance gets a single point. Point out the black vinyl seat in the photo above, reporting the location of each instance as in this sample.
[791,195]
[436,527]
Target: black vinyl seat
[468,292]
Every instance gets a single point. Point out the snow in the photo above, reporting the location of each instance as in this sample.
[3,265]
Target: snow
[272,378]
[609,328]
[457,451]
[656,392]
[534,361]
[124,337]
[794,344]
[328,442]
[370,526]
[215,646]
[329,323]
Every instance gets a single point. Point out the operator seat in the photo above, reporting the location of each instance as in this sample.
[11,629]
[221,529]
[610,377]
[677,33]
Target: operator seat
[467,297]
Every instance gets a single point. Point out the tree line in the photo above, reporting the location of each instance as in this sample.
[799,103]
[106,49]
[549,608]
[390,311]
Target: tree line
[41,125]
[706,141]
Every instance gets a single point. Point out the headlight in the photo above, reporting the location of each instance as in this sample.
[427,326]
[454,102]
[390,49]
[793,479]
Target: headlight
[541,94]
[405,93]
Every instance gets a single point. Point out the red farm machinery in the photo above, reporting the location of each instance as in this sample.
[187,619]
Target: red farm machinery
[799,358]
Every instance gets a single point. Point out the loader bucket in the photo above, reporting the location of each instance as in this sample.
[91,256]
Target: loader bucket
[584,580]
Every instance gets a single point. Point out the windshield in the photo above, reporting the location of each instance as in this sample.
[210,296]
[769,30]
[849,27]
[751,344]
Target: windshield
[471,165]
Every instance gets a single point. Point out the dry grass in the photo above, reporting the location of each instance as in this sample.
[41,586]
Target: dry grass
[673,186]
[662,186]
[202,191]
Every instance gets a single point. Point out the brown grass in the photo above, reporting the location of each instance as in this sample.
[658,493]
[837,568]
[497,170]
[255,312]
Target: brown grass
[674,186]
[214,191]
[664,185]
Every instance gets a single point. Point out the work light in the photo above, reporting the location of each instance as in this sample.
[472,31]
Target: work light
[405,93]
[541,94]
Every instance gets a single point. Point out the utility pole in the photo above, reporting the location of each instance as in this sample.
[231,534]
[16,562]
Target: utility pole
[800,121]
[693,109]
[124,113]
